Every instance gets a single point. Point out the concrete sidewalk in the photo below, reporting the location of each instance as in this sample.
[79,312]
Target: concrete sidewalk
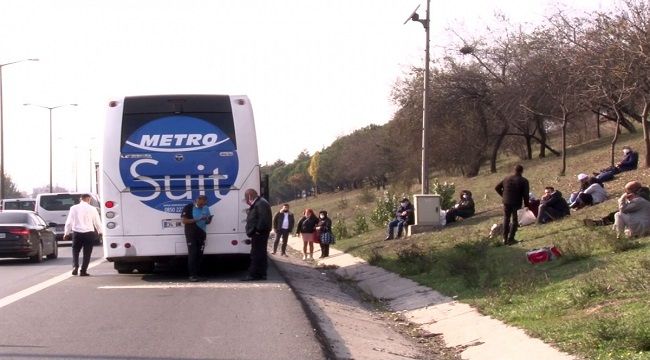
[461,326]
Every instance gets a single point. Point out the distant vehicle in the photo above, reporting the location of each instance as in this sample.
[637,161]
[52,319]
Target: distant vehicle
[54,208]
[18,204]
[160,153]
[25,234]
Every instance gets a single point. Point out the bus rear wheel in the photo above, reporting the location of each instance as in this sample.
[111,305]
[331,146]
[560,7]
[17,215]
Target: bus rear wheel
[123,268]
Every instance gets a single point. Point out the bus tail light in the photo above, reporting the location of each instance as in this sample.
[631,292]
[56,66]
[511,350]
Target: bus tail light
[109,204]
[234,242]
[110,214]
[247,241]
[110,225]
[113,245]
[127,245]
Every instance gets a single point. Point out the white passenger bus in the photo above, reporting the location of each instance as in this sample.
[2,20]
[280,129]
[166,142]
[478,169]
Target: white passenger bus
[160,153]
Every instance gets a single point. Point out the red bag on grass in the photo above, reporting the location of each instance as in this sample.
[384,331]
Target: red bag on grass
[547,253]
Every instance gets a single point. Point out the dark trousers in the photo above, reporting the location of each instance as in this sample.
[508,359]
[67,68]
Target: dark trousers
[284,234]
[583,200]
[399,223]
[324,250]
[259,259]
[510,222]
[451,214]
[194,255]
[86,241]
[546,214]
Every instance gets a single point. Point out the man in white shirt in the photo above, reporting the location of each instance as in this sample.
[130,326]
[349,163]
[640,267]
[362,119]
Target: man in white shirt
[83,226]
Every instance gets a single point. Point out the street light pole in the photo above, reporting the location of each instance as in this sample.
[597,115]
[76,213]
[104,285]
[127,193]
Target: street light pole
[425,117]
[50,108]
[2,132]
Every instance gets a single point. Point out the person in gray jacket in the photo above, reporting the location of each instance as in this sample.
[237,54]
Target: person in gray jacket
[634,212]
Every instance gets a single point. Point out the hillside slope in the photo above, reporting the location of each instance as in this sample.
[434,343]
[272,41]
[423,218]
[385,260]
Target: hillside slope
[592,301]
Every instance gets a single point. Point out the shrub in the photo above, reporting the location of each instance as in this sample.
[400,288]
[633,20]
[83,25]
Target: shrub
[622,244]
[414,260]
[446,192]
[576,248]
[375,257]
[340,229]
[342,204]
[360,224]
[608,329]
[366,196]
[385,208]
[593,288]
[469,261]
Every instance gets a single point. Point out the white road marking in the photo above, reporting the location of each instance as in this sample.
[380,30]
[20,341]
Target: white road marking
[9,299]
[205,285]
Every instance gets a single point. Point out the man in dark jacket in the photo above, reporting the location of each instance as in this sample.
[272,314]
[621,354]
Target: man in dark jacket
[629,162]
[403,216]
[552,206]
[258,228]
[514,190]
[283,223]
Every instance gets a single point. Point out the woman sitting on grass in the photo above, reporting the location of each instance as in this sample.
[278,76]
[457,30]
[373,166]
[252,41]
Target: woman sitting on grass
[463,209]
[594,194]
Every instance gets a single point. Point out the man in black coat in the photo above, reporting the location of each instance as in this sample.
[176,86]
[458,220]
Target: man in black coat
[258,228]
[514,190]
[283,223]
[552,206]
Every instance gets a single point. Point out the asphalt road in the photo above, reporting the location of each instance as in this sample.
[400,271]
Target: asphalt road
[156,316]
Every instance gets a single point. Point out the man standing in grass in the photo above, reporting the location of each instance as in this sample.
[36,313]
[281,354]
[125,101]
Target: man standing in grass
[514,190]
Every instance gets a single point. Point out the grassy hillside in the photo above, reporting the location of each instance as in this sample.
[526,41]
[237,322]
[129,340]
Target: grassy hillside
[592,302]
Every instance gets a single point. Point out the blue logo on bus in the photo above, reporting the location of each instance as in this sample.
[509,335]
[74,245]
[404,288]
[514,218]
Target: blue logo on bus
[170,161]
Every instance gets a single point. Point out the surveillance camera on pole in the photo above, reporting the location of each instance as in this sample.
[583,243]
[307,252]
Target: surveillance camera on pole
[414,15]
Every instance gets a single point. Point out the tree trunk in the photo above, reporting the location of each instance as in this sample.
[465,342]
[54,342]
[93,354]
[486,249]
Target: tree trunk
[615,138]
[542,137]
[495,149]
[598,125]
[564,124]
[646,132]
[529,147]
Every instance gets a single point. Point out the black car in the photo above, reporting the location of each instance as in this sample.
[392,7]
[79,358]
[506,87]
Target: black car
[25,234]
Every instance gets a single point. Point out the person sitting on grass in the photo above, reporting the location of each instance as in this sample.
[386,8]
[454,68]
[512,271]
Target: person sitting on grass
[584,184]
[403,216]
[634,186]
[629,162]
[633,216]
[552,206]
[592,195]
[463,209]
[534,204]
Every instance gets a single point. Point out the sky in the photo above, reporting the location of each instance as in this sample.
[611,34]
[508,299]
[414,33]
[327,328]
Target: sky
[313,70]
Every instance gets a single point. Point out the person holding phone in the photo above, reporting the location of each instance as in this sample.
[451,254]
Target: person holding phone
[196,218]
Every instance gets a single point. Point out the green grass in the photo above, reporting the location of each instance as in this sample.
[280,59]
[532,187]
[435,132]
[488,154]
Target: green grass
[592,302]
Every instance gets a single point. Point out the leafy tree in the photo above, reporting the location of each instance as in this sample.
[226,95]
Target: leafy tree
[314,168]
[10,189]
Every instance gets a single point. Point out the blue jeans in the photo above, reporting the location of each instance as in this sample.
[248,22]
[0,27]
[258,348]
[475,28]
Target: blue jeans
[399,223]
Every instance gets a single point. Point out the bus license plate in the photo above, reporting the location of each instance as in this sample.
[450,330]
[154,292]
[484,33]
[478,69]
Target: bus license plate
[171,223]
[3,235]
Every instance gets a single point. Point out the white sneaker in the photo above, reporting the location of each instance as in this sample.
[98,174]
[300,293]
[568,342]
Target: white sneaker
[304,257]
